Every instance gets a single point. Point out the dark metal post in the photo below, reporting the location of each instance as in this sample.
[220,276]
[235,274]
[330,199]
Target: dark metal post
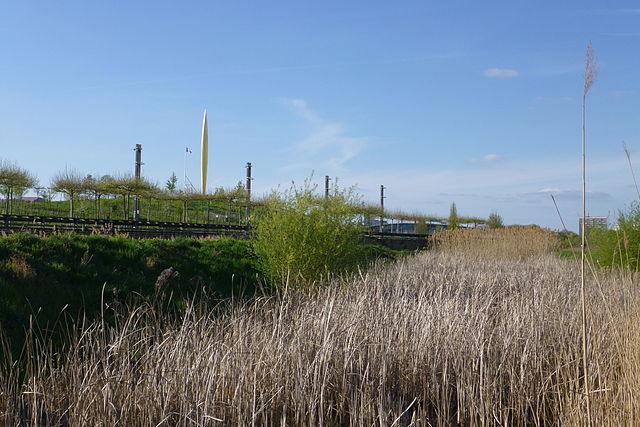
[326,186]
[136,205]
[381,207]
[248,188]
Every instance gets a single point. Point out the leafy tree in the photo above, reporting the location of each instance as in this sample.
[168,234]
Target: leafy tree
[172,183]
[127,186]
[185,197]
[454,220]
[300,236]
[71,183]
[494,220]
[13,181]
[97,187]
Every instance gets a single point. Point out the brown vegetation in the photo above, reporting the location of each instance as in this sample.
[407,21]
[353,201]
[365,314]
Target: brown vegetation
[438,339]
[21,267]
[515,242]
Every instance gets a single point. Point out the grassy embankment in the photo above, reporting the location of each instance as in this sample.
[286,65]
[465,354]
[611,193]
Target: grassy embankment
[466,334]
[46,279]
[60,278]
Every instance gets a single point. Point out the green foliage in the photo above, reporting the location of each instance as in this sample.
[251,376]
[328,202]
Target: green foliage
[620,246]
[301,237]
[171,183]
[569,239]
[127,186]
[44,276]
[494,220]
[71,183]
[13,182]
[454,220]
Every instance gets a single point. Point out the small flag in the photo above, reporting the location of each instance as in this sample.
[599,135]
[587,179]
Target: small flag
[189,151]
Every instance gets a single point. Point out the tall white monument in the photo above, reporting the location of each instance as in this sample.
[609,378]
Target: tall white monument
[204,154]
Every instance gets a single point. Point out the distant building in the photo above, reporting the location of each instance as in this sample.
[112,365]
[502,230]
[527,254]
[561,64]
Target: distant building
[413,227]
[32,199]
[593,222]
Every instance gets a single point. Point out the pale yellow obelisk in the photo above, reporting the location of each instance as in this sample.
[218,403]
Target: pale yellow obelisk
[204,154]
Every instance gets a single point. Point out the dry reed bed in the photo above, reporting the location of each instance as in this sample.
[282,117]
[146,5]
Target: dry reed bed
[438,339]
[514,242]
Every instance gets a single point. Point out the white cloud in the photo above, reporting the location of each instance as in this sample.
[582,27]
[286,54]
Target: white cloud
[326,145]
[486,158]
[500,73]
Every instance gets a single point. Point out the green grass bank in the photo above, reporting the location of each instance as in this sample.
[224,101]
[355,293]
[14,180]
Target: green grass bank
[60,278]
[49,278]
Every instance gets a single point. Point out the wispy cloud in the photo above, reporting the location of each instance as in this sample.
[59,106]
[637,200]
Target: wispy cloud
[282,68]
[518,188]
[521,181]
[559,99]
[568,194]
[556,69]
[619,93]
[326,145]
[500,73]
[622,34]
[486,158]
[620,11]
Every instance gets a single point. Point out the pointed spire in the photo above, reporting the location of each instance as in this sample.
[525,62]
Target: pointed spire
[204,154]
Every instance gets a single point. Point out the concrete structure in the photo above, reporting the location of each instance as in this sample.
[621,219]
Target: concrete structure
[593,222]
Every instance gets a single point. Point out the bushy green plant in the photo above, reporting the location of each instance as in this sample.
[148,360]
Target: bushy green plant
[621,245]
[453,220]
[569,239]
[301,237]
[495,220]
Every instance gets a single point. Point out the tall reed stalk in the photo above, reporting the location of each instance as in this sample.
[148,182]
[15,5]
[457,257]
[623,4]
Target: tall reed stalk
[590,74]
[633,175]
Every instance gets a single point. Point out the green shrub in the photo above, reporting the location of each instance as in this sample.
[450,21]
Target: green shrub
[301,237]
[453,220]
[495,220]
[620,246]
[569,239]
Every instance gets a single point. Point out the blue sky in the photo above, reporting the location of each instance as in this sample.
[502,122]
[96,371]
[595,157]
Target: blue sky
[476,103]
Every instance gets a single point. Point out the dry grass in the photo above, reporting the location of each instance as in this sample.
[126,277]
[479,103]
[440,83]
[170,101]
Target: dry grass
[439,339]
[515,243]
[21,267]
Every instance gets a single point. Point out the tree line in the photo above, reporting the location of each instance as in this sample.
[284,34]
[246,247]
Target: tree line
[15,181]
